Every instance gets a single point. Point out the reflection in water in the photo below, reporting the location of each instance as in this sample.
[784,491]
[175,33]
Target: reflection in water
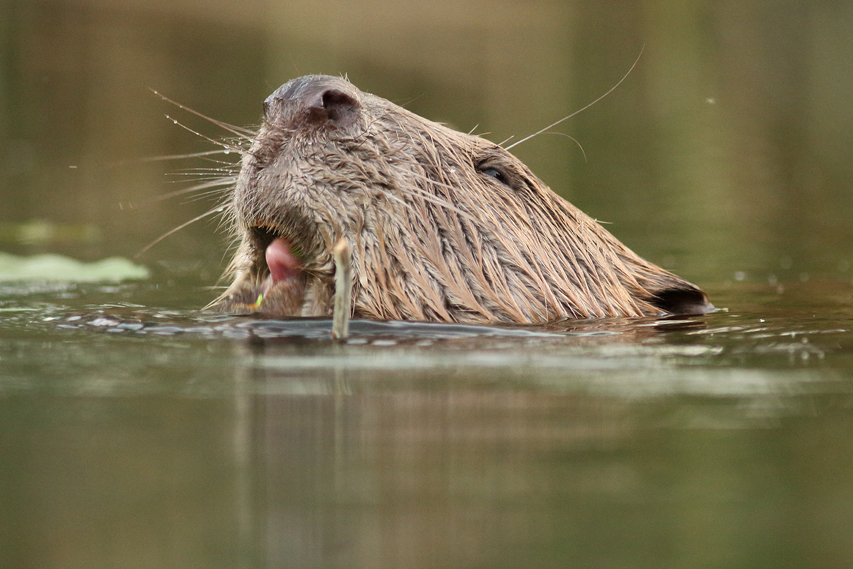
[177,438]
[427,480]
[495,466]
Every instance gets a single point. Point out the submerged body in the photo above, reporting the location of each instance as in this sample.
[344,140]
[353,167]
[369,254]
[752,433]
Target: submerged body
[442,226]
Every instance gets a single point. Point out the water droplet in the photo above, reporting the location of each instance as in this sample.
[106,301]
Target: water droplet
[740,275]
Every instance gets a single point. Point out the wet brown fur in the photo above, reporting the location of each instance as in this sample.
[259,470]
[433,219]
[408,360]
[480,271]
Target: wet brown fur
[435,235]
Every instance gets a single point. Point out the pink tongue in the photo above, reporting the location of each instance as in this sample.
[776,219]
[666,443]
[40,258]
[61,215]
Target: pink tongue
[282,263]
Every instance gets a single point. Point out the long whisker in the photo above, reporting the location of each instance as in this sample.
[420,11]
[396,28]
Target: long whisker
[235,130]
[217,173]
[213,211]
[182,156]
[227,182]
[585,107]
[208,194]
[223,143]
[134,161]
[200,177]
[573,139]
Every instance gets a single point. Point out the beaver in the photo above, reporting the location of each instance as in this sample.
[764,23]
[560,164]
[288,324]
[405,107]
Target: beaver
[443,226]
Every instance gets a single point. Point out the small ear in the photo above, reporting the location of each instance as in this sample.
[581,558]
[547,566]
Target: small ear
[682,301]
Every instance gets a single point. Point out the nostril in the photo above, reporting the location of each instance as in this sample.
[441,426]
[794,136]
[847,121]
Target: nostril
[337,98]
[339,106]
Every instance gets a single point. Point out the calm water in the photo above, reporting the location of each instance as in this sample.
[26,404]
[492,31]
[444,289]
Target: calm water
[139,431]
[137,436]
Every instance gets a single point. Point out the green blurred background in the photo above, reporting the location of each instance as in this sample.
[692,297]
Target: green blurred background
[724,152]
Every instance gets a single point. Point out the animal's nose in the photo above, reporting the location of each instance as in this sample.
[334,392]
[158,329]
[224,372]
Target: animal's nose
[316,98]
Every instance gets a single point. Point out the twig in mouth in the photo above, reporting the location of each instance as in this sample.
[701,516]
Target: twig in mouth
[343,290]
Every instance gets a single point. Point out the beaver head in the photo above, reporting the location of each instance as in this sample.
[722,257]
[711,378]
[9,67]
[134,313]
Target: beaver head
[443,226]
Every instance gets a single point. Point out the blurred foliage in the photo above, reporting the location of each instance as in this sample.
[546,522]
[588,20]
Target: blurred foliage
[724,150]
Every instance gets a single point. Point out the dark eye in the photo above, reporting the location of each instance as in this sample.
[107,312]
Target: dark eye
[496,174]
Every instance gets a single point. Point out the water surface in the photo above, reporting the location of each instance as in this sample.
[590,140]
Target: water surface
[188,438]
